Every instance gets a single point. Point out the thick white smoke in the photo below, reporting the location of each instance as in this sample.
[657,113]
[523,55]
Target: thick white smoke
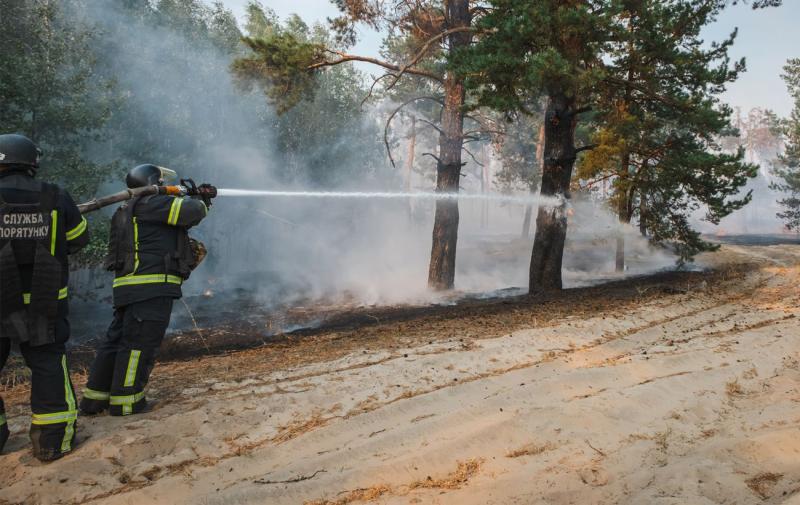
[282,251]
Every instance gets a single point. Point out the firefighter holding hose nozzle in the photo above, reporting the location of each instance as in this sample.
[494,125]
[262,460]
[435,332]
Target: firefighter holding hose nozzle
[40,226]
[151,255]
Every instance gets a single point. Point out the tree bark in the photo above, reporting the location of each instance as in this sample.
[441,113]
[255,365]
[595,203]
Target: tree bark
[620,257]
[642,213]
[551,222]
[643,201]
[526,222]
[441,273]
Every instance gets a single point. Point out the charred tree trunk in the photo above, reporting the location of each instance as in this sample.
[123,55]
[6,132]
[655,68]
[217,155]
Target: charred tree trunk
[643,202]
[622,210]
[551,221]
[643,213]
[526,223]
[442,271]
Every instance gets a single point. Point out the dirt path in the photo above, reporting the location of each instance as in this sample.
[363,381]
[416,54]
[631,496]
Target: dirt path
[665,397]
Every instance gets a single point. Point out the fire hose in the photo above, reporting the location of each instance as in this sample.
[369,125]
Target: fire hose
[187,187]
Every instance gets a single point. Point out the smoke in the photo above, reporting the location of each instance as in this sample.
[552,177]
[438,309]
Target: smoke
[283,251]
[758,217]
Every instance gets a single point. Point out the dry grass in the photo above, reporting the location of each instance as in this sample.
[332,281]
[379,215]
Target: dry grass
[708,433]
[750,374]
[300,426]
[357,495]
[465,471]
[763,483]
[733,389]
[531,449]
[662,440]
[454,480]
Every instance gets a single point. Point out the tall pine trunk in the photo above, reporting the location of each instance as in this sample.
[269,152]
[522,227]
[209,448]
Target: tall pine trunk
[551,221]
[526,222]
[442,270]
[623,213]
[643,201]
[643,213]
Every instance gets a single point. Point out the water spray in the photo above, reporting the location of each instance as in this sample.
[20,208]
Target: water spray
[206,192]
[550,201]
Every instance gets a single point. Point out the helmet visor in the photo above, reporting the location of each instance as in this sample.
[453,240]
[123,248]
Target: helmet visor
[168,177]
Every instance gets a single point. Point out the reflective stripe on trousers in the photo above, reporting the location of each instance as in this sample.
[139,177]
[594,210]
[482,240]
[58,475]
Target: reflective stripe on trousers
[126,402]
[68,416]
[95,395]
[133,365]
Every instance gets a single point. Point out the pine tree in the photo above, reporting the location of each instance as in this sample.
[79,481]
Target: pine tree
[658,122]
[50,93]
[548,48]
[789,162]
[583,55]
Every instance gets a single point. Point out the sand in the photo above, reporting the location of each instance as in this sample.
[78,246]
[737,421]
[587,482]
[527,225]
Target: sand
[688,397]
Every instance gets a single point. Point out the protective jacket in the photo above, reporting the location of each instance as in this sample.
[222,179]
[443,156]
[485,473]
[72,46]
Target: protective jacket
[39,226]
[149,248]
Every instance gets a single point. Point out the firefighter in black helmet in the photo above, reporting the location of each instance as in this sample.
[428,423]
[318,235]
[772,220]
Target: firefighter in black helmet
[150,253]
[39,226]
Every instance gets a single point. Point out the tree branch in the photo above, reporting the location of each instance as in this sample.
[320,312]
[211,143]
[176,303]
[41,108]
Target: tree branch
[472,156]
[393,114]
[489,132]
[588,147]
[344,57]
[644,91]
[438,161]
[432,125]
[372,88]
[422,52]
[601,179]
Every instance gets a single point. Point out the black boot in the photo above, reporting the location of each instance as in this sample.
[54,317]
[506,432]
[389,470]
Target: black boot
[4,434]
[91,407]
[48,442]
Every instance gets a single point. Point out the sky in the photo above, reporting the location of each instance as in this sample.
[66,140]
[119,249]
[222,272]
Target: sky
[766,39]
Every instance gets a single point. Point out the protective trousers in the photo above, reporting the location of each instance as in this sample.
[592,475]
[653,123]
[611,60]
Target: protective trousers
[53,405]
[125,359]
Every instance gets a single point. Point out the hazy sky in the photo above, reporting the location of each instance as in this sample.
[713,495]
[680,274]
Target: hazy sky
[767,38]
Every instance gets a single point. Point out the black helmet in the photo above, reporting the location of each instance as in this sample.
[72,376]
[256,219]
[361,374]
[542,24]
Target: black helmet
[149,175]
[18,150]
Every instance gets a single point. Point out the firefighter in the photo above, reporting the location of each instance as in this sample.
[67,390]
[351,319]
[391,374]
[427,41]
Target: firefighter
[39,226]
[151,255]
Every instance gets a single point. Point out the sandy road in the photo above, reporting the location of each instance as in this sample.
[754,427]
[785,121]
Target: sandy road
[688,398]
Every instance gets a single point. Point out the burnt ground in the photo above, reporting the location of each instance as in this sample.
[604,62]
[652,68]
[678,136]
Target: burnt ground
[678,387]
[334,332]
